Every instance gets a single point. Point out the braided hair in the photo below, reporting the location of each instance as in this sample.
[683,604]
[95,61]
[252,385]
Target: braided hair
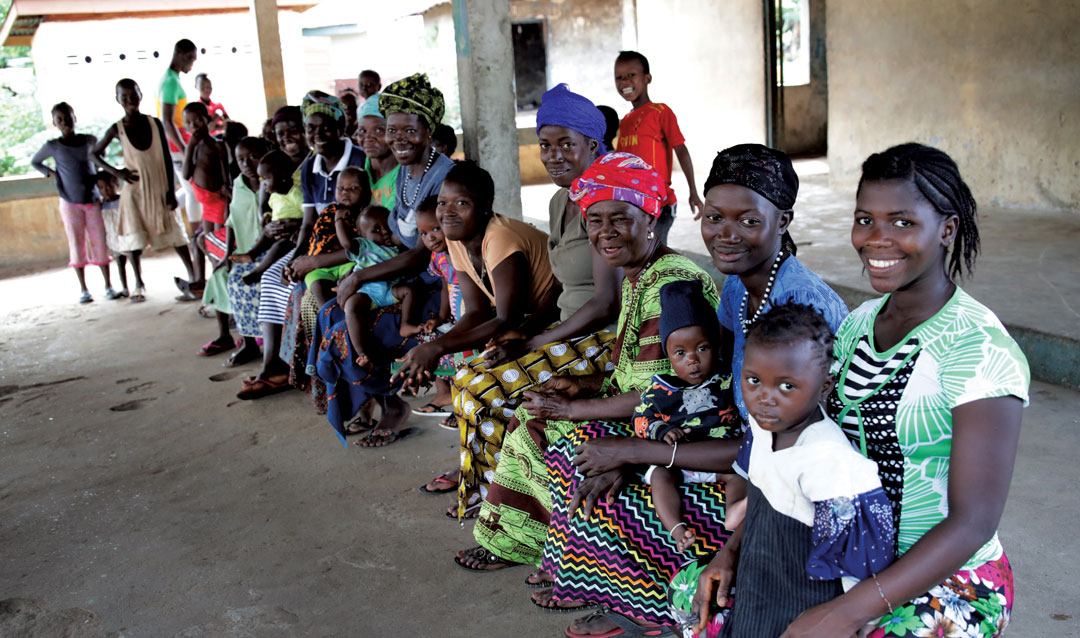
[938,180]
[790,323]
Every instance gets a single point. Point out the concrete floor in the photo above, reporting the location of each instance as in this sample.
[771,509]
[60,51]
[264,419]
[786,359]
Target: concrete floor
[138,497]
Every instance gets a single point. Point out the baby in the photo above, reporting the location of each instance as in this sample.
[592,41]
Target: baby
[696,403]
[375,244]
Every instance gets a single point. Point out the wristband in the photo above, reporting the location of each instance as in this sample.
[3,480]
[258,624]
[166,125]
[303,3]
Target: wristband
[673,451]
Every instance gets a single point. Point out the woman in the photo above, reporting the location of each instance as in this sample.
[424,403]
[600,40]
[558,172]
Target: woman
[273,377]
[750,194]
[380,165]
[412,108]
[568,128]
[931,382]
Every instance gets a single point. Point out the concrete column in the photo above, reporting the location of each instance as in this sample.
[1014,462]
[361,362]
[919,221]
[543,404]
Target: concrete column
[485,62]
[273,71]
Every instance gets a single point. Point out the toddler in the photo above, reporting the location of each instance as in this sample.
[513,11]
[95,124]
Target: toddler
[375,244]
[352,194]
[275,177]
[109,191]
[816,510]
[695,403]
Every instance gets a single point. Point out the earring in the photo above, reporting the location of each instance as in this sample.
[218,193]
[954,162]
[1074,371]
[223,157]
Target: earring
[651,235]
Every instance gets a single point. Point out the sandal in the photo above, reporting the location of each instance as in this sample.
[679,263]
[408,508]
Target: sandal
[432,409]
[560,609]
[537,584]
[85,297]
[211,348]
[486,558]
[262,388]
[111,294]
[442,479]
[139,295]
[449,423]
[470,512]
[381,437]
[623,627]
[359,425]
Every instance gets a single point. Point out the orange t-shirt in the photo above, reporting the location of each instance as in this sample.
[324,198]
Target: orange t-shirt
[504,237]
[651,132]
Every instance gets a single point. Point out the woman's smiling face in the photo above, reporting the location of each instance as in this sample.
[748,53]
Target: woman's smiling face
[900,237]
[619,231]
[456,212]
[741,229]
[408,137]
[565,153]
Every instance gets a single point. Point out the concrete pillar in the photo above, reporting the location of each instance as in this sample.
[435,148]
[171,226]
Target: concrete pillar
[629,25]
[485,62]
[273,71]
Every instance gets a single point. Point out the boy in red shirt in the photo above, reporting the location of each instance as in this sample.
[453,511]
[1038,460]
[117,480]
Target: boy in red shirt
[651,132]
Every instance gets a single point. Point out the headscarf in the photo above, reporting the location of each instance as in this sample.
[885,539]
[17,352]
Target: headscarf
[766,171]
[319,102]
[370,107]
[623,177]
[562,107]
[288,114]
[414,95]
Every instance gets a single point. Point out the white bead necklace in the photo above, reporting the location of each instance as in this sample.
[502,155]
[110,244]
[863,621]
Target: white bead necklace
[748,323]
[416,193]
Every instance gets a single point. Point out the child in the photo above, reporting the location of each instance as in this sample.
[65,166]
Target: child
[374,245]
[148,216]
[285,202]
[696,404]
[110,214]
[206,167]
[444,140]
[651,132]
[79,209]
[816,509]
[352,195]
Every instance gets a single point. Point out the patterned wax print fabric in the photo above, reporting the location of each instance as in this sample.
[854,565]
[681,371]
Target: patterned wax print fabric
[297,335]
[440,267]
[244,299]
[651,132]
[794,283]
[324,237]
[897,405]
[515,516]
[620,177]
[707,409]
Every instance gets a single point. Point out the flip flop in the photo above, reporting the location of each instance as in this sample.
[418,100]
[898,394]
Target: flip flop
[436,410]
[562,610]
[544,584]
[262,388]
[359,426]
[235,362]
[624,627]
[389,436]
[139,295]
[111,294]
[470,512]
[211,348]
[451,486]
[487,558]
[86,298]
[449,423]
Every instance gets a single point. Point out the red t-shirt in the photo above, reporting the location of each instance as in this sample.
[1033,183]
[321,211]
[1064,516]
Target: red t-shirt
[651,132]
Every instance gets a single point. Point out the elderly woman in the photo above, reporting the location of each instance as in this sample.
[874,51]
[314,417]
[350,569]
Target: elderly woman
[568,128]
[412,108]
[273,377]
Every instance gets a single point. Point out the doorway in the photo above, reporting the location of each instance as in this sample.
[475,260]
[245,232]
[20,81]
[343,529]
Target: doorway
[796,76]
[530,63]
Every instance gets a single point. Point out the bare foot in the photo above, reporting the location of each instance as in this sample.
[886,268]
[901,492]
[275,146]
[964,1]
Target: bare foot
[364,361]
[539,577]
[599,624]
[684,537]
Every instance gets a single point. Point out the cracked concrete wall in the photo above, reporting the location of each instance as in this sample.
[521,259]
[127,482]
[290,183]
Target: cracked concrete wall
[995,83]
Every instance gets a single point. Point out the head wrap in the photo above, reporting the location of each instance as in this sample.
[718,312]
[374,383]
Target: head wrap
[414,95]
[766,171]
[288,114]
[620,176]
[562,107]
[685,305]
[319,102]
[370,107]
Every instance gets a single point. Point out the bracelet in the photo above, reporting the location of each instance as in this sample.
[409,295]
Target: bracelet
[673,451]
[882,594]
[672,530]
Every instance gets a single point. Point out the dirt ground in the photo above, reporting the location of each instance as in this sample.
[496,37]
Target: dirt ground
[140,498]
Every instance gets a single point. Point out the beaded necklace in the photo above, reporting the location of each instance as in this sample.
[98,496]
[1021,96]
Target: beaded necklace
[416,193]
[748,323]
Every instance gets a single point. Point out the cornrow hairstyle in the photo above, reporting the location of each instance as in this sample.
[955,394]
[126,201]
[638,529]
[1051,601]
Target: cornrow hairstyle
[938,180]
[198,108]
[62,106]
[626,56]
[790,323]
[476,181]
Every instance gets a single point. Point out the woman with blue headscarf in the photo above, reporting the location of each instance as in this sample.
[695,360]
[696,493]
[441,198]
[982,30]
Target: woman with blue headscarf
[570,131]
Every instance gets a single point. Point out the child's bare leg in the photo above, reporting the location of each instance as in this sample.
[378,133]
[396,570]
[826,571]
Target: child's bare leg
[321,290]
[198,253]
[121,269]
[80,273]
[276,251]
[185,256]
[136,267]
[106,275]
[668,502]
[355,312]
[407,294]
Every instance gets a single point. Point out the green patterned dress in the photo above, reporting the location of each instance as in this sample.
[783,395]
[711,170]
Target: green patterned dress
[896,406]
